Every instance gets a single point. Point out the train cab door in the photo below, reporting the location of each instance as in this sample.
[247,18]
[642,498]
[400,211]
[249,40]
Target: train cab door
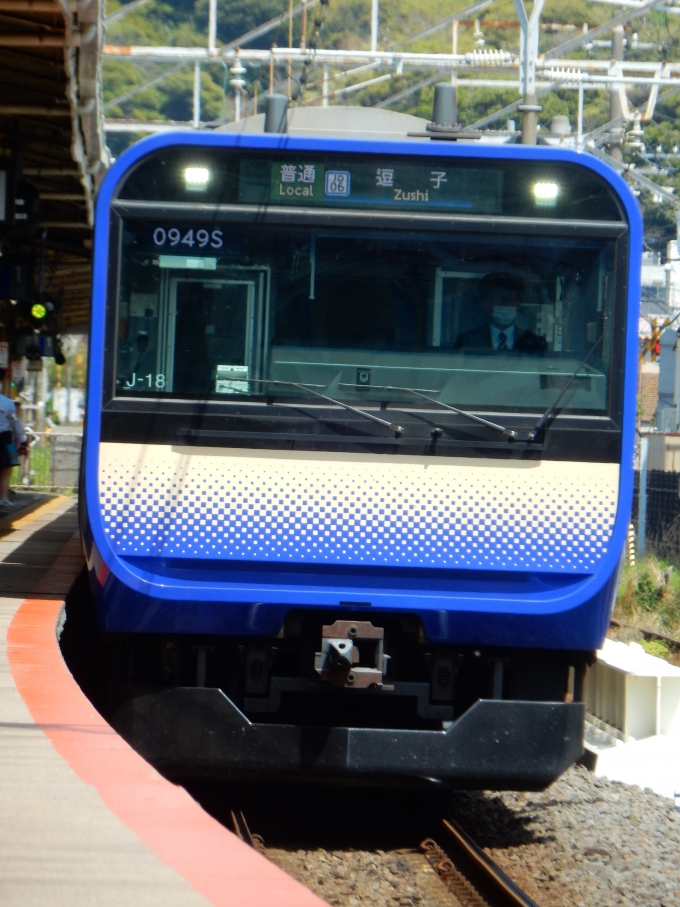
[454,309]
[212,333]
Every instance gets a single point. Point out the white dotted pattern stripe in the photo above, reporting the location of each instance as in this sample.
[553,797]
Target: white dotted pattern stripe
[343,509]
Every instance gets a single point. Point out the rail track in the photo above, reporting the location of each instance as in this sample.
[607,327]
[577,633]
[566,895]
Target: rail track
[671,641]
[470,874]
[472,878]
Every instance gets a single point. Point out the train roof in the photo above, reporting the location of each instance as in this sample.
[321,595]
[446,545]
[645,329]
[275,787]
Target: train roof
[340,122]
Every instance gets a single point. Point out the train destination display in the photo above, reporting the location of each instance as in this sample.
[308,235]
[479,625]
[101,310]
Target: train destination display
[422,184]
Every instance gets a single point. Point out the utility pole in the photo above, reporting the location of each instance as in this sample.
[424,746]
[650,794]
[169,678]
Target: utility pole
[212,27]
[530,30]
[615,95]
[375,12]
[454,51]
[197,95]
[290,44]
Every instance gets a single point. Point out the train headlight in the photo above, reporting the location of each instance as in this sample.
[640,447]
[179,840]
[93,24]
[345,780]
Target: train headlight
[546,193]
[196,178]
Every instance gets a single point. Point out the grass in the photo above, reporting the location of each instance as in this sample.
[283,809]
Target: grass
[649,598]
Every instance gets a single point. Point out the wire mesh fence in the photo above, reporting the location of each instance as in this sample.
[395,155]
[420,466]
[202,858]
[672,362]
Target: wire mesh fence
[52,462]
[662,533]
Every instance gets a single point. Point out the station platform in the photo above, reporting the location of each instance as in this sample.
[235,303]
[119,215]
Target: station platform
[85,820]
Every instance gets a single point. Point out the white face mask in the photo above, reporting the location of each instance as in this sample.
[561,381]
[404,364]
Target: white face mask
[504,315]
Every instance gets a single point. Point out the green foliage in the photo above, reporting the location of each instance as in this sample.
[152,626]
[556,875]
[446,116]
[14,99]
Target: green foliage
[648,593]
[655,647]
[649,596]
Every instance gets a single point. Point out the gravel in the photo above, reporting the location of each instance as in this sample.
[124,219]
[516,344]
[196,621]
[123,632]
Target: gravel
[585,842]
[396,878]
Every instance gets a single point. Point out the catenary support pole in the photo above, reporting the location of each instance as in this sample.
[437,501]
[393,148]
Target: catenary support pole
[375,14]
[290,44]
[212,26]
[530,30]
[615,99]
[197,96]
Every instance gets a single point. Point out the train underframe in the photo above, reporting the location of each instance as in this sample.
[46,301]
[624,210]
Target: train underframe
[351,696]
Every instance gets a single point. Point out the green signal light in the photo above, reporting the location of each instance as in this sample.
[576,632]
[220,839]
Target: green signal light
[38,310]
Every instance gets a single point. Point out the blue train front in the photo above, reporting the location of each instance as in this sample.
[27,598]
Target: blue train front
[359,449]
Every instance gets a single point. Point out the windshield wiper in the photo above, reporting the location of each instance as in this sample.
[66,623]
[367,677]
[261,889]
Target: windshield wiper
[508,432]
[397,429]
[547,415]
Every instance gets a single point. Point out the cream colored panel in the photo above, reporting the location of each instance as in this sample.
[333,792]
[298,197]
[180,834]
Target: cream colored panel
[356,509]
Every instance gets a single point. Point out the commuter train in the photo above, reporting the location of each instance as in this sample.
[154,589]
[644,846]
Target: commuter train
[359,445]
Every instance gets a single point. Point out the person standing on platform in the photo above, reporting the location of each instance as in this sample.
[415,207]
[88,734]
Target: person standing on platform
[12,442]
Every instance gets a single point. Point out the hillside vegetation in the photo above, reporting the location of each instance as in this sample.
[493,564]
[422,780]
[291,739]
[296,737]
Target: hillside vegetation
[347,26]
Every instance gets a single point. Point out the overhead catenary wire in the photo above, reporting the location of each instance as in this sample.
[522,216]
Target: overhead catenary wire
[121,99]
[310,54]
[432,29]
[673,10]
[400,95]
[350,89]
[630,171]
[311,46]
[124,10]
[619,121]
[466,11]
[585,37]
[246,38]
[511,108]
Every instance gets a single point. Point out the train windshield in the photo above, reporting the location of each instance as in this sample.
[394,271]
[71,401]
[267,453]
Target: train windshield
[260,312]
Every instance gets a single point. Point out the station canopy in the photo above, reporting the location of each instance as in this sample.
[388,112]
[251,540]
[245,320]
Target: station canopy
[53,156]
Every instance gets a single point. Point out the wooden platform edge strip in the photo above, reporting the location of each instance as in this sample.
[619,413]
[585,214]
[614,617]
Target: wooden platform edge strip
[221,868]
[28,514]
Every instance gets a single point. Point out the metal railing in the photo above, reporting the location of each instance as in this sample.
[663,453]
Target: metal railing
[51,463]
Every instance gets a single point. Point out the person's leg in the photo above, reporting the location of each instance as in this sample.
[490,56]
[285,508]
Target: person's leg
[4,482]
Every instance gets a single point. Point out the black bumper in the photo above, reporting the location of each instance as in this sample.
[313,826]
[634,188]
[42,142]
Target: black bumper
[500,744]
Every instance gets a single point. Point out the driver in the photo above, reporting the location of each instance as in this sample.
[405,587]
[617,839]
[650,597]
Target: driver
[501,295]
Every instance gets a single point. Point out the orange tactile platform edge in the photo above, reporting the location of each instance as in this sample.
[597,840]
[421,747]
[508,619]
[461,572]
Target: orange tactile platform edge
[215,862]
